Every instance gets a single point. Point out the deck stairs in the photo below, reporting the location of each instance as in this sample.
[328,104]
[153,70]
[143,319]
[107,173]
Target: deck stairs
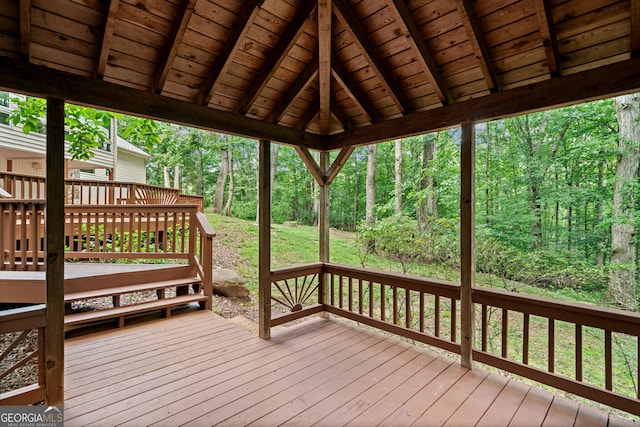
[174,287]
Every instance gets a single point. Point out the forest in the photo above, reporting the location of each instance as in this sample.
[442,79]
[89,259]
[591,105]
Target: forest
[556,191]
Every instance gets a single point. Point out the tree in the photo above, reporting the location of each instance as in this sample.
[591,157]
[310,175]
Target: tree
[398,177]
[622,280]
[370,215]
[221,181]
[232,187]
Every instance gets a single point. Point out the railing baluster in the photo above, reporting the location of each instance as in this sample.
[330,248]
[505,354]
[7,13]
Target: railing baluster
[360,297]
[551,346]
[453,320]
[340,291]
[483,328]
[525,339]
[23,236]
[407,309]
[332,290]
[383,298]
[370,299]
[421,311]
[436,309]
[608,365]
[395,305]
[578,352]
[505,333]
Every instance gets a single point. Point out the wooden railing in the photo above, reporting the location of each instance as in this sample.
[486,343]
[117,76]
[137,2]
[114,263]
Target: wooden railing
[22,239]
[89,192]
[16,328]
[169,232]
[552,342]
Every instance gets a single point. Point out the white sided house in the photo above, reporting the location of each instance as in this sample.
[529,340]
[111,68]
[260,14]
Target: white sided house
[117,159]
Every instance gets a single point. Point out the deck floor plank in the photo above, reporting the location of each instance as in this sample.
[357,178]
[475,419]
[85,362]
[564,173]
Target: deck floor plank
[505,405]
[199,369]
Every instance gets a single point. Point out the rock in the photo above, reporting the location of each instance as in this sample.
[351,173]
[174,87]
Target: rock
[229,283]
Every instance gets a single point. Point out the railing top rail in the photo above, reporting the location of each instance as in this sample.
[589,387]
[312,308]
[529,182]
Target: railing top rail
[161,208]
[203,223]
[23,201]
[579,313]
[25,175]
[20,319]
[296,270]
[445,288]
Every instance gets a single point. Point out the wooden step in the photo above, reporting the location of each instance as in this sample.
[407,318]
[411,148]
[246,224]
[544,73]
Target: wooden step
[120,312]
[120,290]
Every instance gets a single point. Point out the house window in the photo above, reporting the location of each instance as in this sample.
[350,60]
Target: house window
[92,171]
[4,99]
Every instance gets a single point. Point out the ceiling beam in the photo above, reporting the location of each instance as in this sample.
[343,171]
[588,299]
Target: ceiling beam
[309,114]
[352,25]
[170,52]
[416,41]
[308,74]
[548,34]
[36,80]
[238,33]
[472,26]
[324,65]
[25,29]
[353,90]
[599,83]
[107,36]
[276,56]
[339,115]
[635,28]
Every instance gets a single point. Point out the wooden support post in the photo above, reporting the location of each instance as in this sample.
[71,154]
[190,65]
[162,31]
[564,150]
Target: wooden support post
[54,326]
[467,242]
[264,240]
[323,227]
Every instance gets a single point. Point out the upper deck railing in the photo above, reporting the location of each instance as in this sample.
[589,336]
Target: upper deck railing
[89,192]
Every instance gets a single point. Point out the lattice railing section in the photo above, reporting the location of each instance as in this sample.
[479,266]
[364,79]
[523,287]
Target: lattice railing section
[22,355]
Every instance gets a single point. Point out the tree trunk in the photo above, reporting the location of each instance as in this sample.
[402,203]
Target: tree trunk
[370,215]
[232,187]
[398,177]
[272,176]
[599,255]
[221,182]
[428,207]
[167,178]
[176,176]
[622,280]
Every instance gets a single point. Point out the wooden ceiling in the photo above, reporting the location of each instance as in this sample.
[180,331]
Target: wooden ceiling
[322,74]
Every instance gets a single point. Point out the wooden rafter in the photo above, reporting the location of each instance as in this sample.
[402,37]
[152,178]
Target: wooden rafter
[545,24]
[275,58]
[237,35]
[107,36]
[309,114]
[352,25]
[353,90]
[25,28]
[43,82]
[417,43]
[324,63]
[181,22]
[308,74]
[635,28]
[465,8]
[340,116]
[598,83]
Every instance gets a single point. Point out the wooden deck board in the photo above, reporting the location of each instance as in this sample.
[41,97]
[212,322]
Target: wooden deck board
[199,369]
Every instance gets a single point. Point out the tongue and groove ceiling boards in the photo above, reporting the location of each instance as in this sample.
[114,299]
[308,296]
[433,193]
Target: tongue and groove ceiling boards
[322,74]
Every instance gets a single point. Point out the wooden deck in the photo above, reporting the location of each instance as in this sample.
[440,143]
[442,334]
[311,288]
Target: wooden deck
[200,369]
